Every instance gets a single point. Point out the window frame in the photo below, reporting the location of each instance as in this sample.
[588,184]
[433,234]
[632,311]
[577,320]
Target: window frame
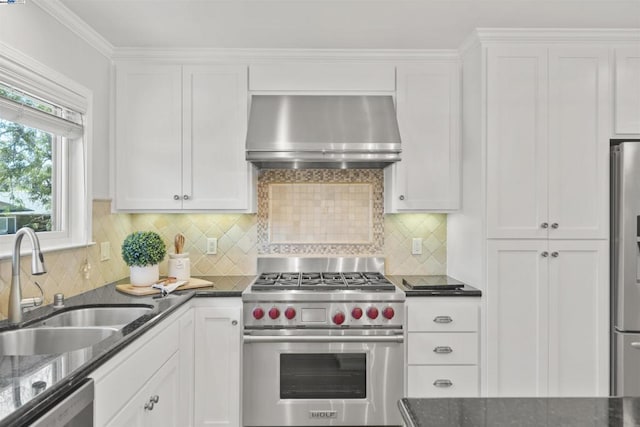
[74,210]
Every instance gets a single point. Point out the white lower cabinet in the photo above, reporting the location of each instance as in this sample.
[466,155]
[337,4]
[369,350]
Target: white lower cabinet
[442,347]
[143,384]
[155,404]
[218,333]
[548,313]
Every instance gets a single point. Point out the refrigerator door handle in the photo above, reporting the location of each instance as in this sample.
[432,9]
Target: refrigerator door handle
[635,345]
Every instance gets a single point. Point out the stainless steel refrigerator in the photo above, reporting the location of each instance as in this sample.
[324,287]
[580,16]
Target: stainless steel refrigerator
[625,268]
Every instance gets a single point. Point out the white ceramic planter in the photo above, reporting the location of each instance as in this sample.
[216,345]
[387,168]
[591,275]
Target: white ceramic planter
[144,276]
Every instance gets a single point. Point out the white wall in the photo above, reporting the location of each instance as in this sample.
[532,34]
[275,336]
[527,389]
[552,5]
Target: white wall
[35,33]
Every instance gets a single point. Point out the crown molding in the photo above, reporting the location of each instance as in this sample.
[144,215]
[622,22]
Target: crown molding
[283,55]
[558,35]
[66,17]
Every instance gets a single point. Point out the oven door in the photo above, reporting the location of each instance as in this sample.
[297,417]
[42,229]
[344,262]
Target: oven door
[322,377]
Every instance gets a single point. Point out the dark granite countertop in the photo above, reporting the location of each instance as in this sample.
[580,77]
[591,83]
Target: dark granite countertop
[522,412]
[62,372]
[403,282]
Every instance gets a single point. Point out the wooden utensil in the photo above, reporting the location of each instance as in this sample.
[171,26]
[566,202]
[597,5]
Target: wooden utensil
[179,242]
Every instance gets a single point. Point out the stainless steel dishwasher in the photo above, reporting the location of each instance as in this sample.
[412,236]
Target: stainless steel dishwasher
[75,410]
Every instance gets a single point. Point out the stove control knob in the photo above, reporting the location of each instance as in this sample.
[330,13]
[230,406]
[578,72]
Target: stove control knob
[372,313]
[290,313]
[274,313]
[356,313]
[258,313]
[338,318]
[388,313]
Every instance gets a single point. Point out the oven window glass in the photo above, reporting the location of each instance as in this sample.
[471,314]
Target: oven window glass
[323,376]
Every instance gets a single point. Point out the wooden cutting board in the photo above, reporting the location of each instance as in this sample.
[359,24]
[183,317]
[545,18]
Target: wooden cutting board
[193,283]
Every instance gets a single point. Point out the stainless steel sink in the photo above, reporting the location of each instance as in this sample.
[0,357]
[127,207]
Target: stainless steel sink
[43,340]
[115,316]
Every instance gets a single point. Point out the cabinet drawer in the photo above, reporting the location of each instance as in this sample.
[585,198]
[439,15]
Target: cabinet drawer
[442,348]
[443,318]
[443,381]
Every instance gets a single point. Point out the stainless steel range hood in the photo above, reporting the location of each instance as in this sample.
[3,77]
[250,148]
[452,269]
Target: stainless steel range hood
[314,131]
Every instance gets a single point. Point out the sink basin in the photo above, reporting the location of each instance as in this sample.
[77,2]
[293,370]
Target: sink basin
[116,316]
[32,341]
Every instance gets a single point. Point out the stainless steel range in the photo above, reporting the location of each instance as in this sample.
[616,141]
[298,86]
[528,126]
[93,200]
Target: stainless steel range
[323,344]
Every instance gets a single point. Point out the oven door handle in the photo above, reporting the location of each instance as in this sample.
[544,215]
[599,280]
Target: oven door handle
[324,339]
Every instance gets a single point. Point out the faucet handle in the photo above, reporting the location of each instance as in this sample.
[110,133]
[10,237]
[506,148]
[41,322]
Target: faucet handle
[35,301]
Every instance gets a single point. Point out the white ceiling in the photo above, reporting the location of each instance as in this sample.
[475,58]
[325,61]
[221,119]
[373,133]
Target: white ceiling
[334,24]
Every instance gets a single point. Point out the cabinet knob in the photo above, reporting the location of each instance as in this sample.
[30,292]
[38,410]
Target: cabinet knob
[555,254]
[234,322]
[544,225]
[176,197]
[401,197]
[442,319]
[442,383]
[443,349]
[544,254]
[185,197]
[555,225]
[148,406]
[154,399]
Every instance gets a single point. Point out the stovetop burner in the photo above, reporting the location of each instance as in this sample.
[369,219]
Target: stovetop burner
[370,281]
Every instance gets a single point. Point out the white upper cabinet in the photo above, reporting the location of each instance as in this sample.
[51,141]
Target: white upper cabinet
[579,124]
[547,144]
[627,91]
[148,135]
[215,174]
[517,141]
[180,137]
[428,108]
[322,76]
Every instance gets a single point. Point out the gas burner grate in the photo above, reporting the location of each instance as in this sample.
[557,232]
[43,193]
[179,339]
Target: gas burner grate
[332,281]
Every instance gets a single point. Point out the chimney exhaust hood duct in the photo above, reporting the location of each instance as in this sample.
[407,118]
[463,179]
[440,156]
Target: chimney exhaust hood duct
[320,131]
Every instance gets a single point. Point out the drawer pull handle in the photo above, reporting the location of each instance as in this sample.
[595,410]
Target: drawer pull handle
[442,383]
[443,319]
[443,350]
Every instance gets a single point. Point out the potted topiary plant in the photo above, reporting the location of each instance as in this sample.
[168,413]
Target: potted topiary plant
[143,251]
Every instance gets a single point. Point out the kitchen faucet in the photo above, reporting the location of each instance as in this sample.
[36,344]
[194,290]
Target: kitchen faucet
[16,303]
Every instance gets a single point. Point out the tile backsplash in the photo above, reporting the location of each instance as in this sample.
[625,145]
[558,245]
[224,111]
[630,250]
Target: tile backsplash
[320,212]
[241,238]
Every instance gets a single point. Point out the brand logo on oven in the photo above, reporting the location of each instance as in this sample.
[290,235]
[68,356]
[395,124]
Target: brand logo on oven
[323,414]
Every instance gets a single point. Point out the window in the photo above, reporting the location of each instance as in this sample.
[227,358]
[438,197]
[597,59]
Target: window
[43,156]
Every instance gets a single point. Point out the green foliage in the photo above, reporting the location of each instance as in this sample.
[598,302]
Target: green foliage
[26,165]
[143,248]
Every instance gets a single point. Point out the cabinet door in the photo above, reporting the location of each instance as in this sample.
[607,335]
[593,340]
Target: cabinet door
[578,318]
[217,366]
[579,126]
[428,105]
[148,136]
[627,88]
[156,404]
[517,318]
[215,174]
[187,351]
[516,142]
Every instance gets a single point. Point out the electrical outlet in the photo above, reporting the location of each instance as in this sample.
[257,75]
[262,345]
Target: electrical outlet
[105,251]
[416,246]
[212,245]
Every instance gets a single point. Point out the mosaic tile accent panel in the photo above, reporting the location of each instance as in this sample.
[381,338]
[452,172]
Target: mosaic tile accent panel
[400,229]
[320,213]
[313,238]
